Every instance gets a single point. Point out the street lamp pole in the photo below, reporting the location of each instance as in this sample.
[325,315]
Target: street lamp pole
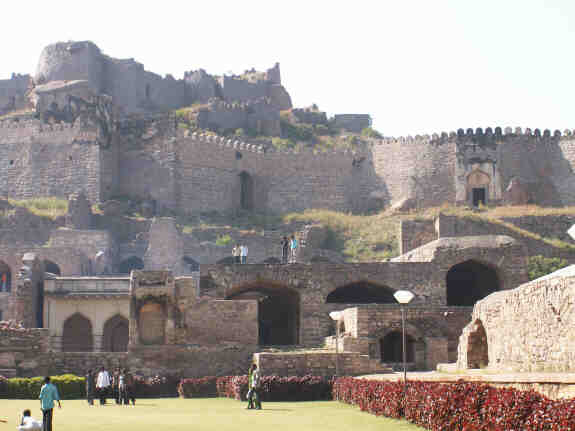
[403,344]
[404,297]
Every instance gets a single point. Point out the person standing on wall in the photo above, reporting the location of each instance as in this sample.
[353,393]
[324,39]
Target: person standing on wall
[285,244]
[236,253]
[48,394]
[102,385]
[293,246]
[244,253]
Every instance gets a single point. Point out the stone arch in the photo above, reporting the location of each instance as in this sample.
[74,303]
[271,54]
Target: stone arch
[478,187]
[77,334]
[152,323]
[246,191]
[469,281]
[127,265]
[391,347]
[116,333]
[477,347]
[278,311]
[51,267]
[191,263]
[362,292]
[5,277]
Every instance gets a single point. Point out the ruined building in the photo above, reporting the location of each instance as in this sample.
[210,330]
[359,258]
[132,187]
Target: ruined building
[97,288]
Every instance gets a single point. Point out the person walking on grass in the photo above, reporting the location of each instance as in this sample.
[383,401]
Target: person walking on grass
[102,385]
[254,388]
[48,394]
[90,387]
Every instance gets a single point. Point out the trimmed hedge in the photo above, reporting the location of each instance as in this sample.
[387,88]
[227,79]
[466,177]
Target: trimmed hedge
[74,387]
[460,406]
[275,388]
[69,387]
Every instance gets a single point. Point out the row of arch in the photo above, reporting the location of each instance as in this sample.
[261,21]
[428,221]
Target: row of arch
[78,336]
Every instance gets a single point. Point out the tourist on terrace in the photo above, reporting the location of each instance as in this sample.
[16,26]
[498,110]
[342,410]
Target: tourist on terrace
[285,244]
[293,247]
[236,253]
[244,253]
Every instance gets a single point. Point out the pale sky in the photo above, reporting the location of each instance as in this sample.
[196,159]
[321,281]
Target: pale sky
[416,66]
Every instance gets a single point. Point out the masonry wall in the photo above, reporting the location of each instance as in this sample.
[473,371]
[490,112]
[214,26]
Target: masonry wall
[418,169]
[528,328]
[13,93]
[48,160]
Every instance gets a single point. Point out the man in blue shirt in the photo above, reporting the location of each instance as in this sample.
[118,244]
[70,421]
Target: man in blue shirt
[48,394]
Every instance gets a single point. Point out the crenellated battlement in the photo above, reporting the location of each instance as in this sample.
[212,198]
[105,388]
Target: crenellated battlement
[26,130]
[233,144]
[497,133]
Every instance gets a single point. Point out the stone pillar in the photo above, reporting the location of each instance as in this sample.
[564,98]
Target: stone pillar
[23,302]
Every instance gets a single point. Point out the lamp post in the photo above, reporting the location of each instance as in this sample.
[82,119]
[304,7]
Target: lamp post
[336,315]
[404,297]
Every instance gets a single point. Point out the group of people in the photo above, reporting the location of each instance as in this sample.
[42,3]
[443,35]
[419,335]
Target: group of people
[119,385]
[289,249]
[240,254]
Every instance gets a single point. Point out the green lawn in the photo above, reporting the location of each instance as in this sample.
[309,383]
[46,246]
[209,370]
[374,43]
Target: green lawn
[219,414]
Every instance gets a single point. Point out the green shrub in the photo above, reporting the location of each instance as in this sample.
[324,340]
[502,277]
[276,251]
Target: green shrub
[368,132]
[538,266]
[69,386]
[223,240]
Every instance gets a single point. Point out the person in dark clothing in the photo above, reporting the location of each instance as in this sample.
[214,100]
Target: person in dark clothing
[90,387]
[285,244]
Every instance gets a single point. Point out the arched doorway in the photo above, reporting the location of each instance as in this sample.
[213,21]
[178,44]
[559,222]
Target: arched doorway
[477,347]
[362,292]
[470,281]
[77,334]
[5,277]
[152,323]
[278,312]
[51,267]
[246,191]
[129,264]
[391,347]
[116,332]
[478,187]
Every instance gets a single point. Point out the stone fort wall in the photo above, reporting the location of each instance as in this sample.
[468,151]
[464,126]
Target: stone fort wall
[194,172]
[41,159]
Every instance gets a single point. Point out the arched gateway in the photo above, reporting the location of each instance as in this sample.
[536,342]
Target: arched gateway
[278,311]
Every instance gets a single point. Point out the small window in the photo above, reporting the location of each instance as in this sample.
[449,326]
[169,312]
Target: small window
[11,162]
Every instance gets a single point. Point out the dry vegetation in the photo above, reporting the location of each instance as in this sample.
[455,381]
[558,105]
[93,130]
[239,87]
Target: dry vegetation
[46,207]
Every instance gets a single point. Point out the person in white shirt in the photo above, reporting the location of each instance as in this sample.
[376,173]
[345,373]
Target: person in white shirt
[28,423]
[102,384]
[244,253]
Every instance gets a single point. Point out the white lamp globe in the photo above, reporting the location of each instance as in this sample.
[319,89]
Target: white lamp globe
[403,296]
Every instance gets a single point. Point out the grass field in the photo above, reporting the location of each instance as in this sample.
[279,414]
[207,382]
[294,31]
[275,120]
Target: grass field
[219,414]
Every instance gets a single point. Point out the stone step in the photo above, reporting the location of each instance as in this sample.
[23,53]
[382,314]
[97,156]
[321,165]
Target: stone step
[8,372]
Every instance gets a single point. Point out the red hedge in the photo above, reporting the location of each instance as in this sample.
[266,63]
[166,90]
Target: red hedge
[459,406]
[203,387]
[275,388]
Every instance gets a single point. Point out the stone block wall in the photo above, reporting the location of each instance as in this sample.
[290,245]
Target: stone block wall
[48,160]
[13,93]
[415,233]
[526,329]
[21,350]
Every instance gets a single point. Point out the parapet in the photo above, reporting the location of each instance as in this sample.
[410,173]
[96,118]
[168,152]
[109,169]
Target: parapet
[497,133]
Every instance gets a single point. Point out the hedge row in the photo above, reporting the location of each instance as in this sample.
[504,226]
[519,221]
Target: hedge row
[459,406]
[273,388]
[74,387]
